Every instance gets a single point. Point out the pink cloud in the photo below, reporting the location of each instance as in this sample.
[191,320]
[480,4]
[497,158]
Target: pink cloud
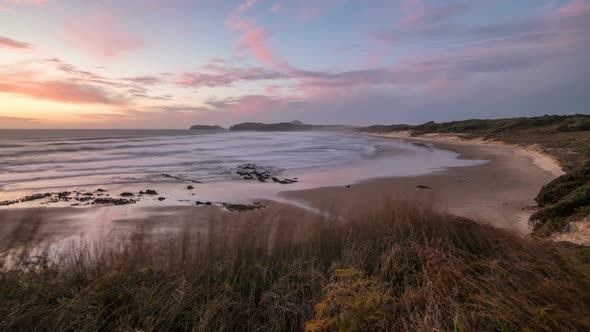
[253,38]
[60,91]
[28,83]
[27,2]
[575,7]
[102,34]
[11,43]
[217,76]
[248,104]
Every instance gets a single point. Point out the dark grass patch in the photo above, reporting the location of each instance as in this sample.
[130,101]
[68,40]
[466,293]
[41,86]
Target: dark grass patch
[390,269]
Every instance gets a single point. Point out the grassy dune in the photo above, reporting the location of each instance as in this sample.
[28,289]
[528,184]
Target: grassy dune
[393,268]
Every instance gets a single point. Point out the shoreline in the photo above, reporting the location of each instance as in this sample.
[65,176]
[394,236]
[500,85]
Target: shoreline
[541,158]
[499,192]
[495,192]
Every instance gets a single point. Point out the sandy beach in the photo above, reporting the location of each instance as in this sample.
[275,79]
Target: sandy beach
[500,192]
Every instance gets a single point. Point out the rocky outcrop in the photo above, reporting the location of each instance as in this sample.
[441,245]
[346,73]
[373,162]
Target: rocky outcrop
[206,127]
[282,126]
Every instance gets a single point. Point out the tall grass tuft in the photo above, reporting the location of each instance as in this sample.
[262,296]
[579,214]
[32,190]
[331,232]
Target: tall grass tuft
[397,267]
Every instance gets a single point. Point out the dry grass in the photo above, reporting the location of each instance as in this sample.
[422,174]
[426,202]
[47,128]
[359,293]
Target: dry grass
[395,268]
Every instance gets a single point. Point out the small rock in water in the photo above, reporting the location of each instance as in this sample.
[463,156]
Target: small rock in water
[189,187]
[284,181]
[161,199]
[126,194]
[423,187]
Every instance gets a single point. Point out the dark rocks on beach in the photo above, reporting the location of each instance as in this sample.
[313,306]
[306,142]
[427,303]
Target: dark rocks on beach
[35,197]
[190,187]
[149,192]
[84,199]
[114,201]
[260,173]
[161,199]
[203,203]
[127,194]
[284,181]
[99,190]
[423,187]
[253,172]
[63,195]
[243,207]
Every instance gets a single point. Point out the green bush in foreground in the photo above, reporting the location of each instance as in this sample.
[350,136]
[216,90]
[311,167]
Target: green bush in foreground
[561,199]
[398,268]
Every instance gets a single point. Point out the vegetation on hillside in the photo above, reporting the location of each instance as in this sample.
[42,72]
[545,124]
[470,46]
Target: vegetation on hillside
[396,268]
[563,199]
[565,137]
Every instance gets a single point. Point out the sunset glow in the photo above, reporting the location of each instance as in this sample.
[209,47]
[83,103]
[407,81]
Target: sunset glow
[168,64]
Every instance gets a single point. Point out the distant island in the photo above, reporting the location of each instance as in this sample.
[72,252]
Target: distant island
[281,126]
[206,127]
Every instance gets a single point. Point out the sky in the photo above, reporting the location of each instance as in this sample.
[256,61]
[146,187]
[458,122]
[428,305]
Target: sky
[163,64]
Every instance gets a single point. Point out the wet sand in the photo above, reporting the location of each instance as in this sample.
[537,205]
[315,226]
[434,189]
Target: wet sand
[500,192]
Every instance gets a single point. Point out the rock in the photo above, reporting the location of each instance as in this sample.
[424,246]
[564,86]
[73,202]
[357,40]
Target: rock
[114,201]
[423,187]
[151,192]
[254,172]
[35,197]
[190,187]
[99,190]
[161,199]
[208,203]
[348,186]
[284,181]
[207,127]
[127,194]
[63,194]
[242,207]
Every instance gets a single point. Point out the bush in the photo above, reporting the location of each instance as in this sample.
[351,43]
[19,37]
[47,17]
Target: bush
[395,268]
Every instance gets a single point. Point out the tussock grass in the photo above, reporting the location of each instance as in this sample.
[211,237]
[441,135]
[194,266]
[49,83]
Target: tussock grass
[393,268]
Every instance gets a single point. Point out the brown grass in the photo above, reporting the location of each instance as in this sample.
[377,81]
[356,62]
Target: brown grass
[395,268]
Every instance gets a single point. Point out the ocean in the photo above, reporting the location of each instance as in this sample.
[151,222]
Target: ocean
[36,160]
